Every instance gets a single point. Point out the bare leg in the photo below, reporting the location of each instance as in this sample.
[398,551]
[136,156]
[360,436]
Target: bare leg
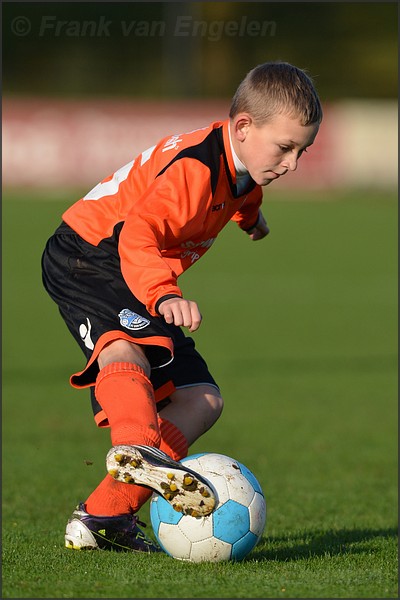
[193,410]
[123,351]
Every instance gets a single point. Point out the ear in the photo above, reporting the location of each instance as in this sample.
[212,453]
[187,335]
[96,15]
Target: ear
[241,124]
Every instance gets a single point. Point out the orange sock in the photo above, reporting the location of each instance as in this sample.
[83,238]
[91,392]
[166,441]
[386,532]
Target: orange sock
[113,497]
[173,442]
[127,397]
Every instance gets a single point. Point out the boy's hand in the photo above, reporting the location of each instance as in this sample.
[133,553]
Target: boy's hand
[181,312]
[260,230]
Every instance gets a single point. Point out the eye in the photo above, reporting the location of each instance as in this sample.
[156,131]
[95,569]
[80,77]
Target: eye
[284,149]
[301,152]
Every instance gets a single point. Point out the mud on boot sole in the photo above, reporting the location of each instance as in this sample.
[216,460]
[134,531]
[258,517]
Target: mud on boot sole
[186,491]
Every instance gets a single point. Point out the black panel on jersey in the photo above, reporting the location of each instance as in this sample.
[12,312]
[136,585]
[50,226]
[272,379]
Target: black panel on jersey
[208,152]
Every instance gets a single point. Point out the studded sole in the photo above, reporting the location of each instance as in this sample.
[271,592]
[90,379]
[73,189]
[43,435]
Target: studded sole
[185,490]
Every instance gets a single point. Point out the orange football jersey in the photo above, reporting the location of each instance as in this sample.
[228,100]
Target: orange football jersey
[162,211]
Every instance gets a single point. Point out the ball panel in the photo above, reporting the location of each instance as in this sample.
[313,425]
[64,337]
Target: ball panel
[242,547]
[196,529]
[188,459]
[240,488]
[173,541]
[219,464]
[231,521]
[225,475]
[210,550]
[161,510]
[209,464]
[251,478]
[258,514]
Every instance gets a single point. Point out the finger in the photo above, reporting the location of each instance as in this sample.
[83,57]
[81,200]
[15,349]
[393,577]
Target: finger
[181,312]
[196,318]
[168,316]
[191,316]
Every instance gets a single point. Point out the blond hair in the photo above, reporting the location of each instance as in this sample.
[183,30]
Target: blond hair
[276,88]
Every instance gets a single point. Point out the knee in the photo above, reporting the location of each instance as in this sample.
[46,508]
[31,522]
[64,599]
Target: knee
[215,404]
[124,351]
[194,410]
[208,403]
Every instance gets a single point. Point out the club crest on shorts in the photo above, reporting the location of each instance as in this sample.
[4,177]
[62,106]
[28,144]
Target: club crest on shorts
[132,320]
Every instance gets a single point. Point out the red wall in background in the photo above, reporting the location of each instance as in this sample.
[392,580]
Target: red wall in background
[64,143]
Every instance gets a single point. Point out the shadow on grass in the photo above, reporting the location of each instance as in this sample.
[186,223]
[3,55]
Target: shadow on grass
[311,544]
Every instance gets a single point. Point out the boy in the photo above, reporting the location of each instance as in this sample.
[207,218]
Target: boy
[112,267]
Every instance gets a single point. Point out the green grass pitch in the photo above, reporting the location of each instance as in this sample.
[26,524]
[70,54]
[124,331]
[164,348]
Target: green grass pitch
[300,331]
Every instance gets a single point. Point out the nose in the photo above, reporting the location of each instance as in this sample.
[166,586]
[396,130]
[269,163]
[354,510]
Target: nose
[290,163]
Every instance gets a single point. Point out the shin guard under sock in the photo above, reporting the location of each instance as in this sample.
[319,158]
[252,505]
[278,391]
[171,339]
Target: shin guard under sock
[127,397]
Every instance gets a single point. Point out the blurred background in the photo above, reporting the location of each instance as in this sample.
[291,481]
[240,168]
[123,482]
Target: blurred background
[88,85]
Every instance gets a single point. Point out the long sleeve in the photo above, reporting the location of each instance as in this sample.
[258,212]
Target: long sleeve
[170,213]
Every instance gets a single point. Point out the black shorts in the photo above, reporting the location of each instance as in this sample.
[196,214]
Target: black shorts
[86,283]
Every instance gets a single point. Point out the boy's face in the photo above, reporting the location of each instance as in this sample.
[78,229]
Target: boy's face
[270,151]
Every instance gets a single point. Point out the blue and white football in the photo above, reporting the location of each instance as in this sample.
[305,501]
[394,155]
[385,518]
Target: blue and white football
[234,527]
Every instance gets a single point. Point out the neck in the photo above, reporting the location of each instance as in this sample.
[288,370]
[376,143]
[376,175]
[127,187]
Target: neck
[239,166]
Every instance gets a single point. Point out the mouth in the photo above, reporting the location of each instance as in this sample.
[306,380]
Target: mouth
[269,176]
[280,174]
[273,175]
